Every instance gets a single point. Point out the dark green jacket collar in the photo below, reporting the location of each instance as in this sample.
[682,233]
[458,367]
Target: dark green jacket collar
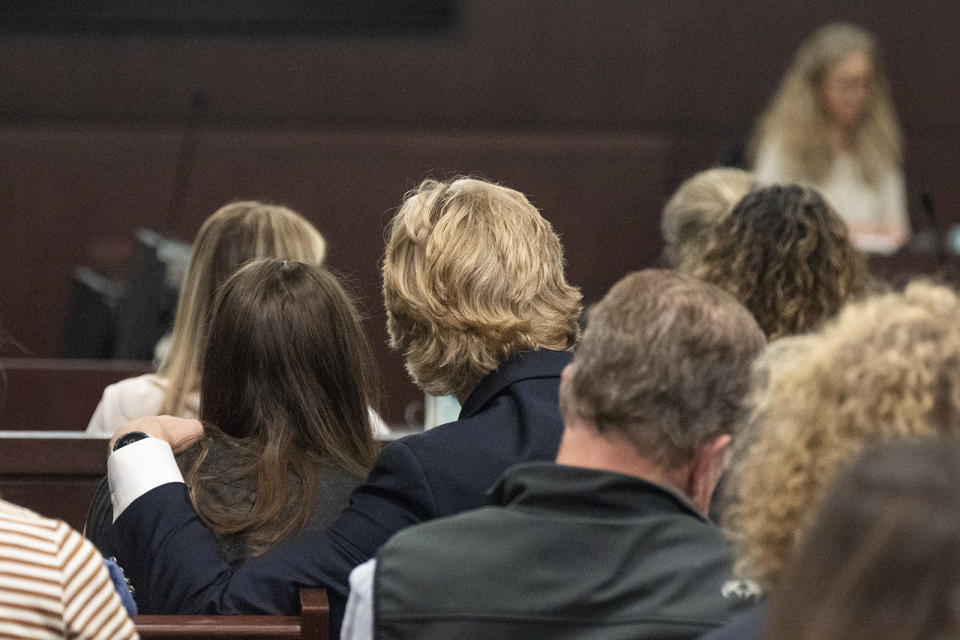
[578,491]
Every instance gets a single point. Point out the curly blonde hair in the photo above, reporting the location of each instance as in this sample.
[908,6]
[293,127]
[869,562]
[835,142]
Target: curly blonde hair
[702,201]
[886,367]
[787,257]
[473,274]
[796,118]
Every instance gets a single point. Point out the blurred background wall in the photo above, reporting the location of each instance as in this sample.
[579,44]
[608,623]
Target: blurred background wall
[596,109]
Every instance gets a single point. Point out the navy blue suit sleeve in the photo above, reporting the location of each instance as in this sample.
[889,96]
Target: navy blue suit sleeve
[174,561]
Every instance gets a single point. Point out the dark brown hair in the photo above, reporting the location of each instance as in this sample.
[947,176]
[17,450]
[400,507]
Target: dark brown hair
[285,380]
[882,560]
[786,255]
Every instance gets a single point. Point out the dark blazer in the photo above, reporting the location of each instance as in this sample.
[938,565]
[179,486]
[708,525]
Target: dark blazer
[568,552]
[174,562]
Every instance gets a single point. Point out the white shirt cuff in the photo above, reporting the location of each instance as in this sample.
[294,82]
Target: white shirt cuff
[358,617]
[137,468]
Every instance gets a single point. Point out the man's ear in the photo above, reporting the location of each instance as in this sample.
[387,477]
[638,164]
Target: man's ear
[567,373]
[706,471]
[566,378]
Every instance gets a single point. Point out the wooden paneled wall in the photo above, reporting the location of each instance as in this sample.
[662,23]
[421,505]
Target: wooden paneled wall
[595,108]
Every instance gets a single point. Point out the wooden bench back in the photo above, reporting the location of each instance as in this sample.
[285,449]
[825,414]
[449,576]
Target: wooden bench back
[55,473]
[311,624]
[52,472]
[58,395]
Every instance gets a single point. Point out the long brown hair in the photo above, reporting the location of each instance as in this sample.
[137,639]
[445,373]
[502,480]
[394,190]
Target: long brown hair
[882,560]
[286,374]
[234,234]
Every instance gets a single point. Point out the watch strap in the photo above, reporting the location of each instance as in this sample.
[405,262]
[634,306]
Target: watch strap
[129,438]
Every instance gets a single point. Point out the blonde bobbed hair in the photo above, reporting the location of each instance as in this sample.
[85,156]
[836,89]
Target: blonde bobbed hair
[472,275]
[695,208]
[234,235]
[797,119]
[886,367]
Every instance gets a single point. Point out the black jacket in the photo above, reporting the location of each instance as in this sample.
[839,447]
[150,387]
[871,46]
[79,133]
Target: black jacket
[748,625]
[569,553]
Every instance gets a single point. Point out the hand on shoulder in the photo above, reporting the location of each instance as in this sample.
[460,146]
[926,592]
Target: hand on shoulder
[179,433]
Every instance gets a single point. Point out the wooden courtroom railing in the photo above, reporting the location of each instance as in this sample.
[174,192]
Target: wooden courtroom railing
[52,472]
[311,624]
[55,473]
[41,394]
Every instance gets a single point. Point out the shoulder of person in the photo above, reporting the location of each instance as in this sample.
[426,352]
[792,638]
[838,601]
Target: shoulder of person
[133,398]
[127,400]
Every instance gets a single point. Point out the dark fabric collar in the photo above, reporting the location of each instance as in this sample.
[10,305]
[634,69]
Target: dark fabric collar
[578,491]
[527,365]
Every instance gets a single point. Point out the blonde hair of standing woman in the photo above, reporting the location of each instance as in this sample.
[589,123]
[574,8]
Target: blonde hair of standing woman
[234,235]
[797,118]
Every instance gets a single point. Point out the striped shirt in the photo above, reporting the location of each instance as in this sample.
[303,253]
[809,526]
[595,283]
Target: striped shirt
[53,583]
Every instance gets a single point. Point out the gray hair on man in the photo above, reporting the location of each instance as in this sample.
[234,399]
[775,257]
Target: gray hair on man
[665,363]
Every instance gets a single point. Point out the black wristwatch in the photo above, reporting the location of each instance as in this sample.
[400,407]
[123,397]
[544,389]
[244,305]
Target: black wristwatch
[129,438]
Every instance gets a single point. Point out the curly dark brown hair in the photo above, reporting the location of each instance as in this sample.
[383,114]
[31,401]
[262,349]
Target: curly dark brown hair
[785,255]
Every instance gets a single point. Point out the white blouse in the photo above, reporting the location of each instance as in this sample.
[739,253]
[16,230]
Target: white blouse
[142,396]
[876,215]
